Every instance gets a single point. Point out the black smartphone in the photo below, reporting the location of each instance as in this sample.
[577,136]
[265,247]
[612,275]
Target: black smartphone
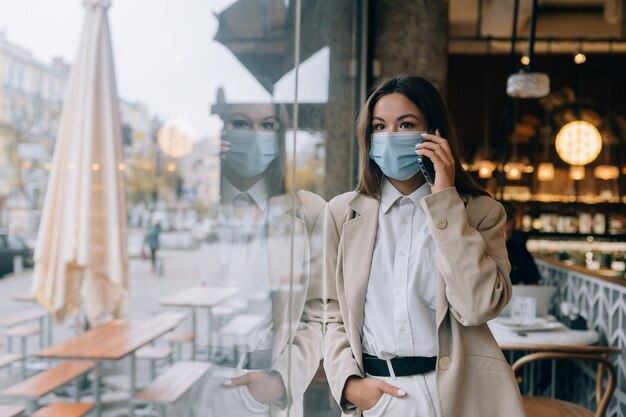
[426,165]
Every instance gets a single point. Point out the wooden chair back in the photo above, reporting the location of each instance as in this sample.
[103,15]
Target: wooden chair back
[599,355]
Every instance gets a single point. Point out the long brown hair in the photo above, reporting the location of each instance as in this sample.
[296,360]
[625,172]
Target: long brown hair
[426,97]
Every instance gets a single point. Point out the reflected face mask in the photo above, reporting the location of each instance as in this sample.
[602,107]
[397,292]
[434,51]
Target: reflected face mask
[394,153]
[251,151]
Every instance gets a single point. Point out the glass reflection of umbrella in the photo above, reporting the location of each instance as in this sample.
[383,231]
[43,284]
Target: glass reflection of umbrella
[260,33]
[81,253]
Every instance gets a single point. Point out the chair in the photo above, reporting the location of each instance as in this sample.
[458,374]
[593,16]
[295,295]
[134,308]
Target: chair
[537,406]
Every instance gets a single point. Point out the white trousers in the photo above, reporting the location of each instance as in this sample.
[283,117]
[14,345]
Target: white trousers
[420,399]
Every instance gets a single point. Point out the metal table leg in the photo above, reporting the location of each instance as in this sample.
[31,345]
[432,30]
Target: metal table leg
[210,336]
[96,388]
[194,332]
[132,385]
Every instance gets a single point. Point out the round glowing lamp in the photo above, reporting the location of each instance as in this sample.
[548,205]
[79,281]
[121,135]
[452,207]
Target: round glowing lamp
[578,143]
[580,58]
[176,138]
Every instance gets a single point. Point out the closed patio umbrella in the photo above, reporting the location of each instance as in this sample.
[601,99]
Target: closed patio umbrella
[81,261]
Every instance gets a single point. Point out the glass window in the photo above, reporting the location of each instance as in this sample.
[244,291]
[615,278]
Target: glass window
[15,243]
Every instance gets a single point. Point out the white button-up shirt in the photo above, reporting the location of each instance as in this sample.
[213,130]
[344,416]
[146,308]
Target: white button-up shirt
[242,254]
[401,294]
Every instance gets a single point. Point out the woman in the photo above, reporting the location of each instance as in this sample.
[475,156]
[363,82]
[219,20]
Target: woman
[418,270]
[269,247]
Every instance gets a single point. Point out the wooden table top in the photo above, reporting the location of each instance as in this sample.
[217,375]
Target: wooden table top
[11,411]
[112,341]
[199,296]
[23,316]
[25,297]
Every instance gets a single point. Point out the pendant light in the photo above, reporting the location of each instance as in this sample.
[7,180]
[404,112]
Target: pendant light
[545,170]
[578,142]
[514,168]
[577,172]
[606,171]
[526,83]
[483,163]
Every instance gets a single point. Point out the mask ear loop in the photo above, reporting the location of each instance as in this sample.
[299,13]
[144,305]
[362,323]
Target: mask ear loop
[392,373]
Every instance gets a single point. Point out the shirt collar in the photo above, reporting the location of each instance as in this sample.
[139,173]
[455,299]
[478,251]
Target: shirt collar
[391,195]
[258,193]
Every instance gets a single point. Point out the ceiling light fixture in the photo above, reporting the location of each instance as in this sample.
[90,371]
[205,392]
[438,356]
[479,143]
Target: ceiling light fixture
[577,172]
[606,172]
[580,57]
[578,142]
[526,83]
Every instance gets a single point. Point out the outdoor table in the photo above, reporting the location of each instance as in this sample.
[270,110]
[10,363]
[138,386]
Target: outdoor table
[199,297]
[33,314]
[557,337]
[24,297]
[111,342]
[11,410]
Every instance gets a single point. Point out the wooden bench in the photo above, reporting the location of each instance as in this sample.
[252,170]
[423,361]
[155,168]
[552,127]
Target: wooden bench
[23,317]
[64,409]
[47,381]
[176,340]
[23,333]
[170,386]
[153,354]
[8,358]
[11,411]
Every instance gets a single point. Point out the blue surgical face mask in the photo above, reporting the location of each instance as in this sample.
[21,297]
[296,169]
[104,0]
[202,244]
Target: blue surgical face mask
[251,151]
[394,152]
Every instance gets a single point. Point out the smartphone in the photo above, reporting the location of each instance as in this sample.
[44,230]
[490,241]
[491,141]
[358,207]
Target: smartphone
[426,165]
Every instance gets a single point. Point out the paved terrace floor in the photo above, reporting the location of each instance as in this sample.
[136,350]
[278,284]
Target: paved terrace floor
[181,269]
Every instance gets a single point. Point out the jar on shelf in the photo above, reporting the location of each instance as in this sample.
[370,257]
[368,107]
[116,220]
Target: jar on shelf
[584,223]
[599,223]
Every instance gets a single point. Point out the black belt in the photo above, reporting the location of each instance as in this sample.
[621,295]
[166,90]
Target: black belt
[406,366]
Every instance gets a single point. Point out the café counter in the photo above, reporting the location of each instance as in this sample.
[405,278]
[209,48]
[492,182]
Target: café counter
[601,301]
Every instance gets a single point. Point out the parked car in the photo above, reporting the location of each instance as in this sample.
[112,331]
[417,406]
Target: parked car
[12,246]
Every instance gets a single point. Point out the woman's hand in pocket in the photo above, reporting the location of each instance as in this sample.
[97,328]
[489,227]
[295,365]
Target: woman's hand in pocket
[365,393]
[265,387]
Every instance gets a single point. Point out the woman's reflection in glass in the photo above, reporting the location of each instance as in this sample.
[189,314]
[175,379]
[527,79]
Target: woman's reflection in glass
[268,247]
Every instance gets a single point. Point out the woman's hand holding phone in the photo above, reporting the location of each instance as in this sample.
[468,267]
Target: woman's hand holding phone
[438,150]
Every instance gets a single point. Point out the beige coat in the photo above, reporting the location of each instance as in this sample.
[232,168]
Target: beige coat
[297,349]
[473,378]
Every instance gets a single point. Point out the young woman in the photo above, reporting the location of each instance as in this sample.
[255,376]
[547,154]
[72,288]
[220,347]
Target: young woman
[418,269]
